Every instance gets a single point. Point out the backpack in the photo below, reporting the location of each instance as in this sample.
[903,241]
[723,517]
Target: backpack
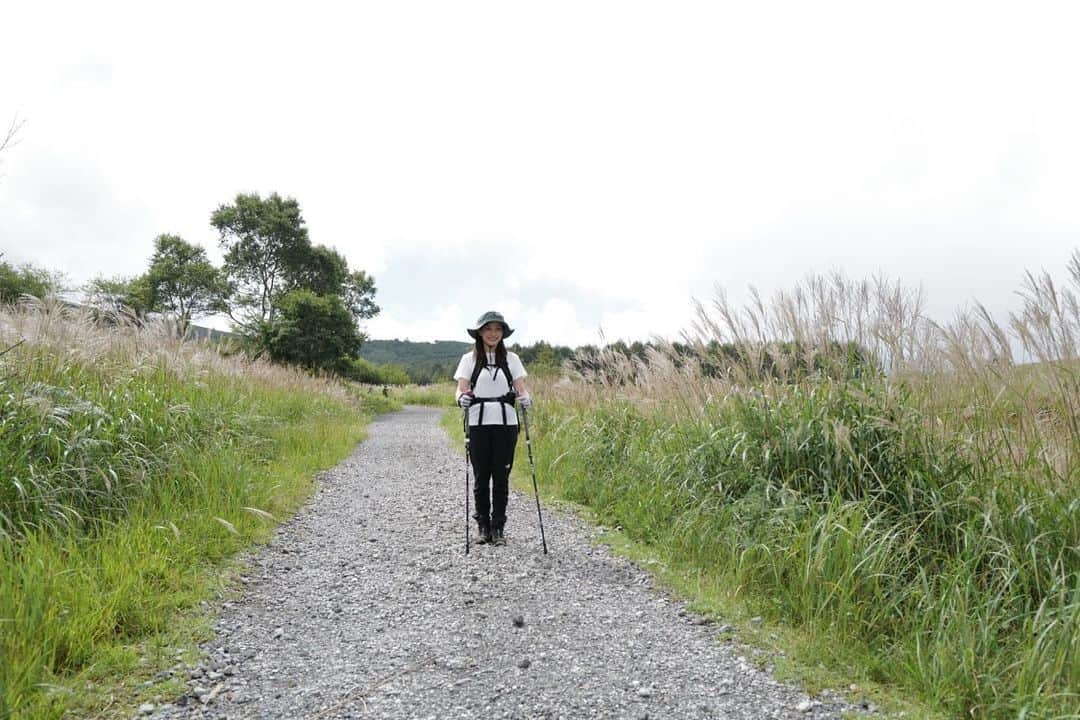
[504,400]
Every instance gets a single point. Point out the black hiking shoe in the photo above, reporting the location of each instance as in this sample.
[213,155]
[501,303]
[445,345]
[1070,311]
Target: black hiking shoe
[497,537]
[484,529]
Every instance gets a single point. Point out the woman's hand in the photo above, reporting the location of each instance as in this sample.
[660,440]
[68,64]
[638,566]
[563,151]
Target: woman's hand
[465,400]
[524,397]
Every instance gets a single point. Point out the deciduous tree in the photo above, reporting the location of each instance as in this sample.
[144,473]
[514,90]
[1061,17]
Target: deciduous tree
[266,244]
[316,331]
[118,294]
[359,295]
[322,270]
[26,280]
[183,282]
[273,268]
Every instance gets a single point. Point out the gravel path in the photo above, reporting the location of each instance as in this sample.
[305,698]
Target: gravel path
[364,605]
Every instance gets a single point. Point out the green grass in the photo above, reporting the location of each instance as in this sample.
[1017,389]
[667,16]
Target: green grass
[129,484]
[434,395]
[890,553]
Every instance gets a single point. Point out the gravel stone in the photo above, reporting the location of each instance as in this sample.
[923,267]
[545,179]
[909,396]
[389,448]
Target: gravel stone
[365,605]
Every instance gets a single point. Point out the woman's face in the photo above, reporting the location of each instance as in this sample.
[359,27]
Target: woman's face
[491,333]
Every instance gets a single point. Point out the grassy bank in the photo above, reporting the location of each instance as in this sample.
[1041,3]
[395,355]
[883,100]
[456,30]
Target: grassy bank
[433,395]
[911,511]
[132,466]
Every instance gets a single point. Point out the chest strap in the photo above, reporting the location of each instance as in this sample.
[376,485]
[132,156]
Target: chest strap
[503,400]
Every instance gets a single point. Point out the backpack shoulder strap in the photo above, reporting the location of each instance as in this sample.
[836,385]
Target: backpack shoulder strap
[505,367]
[477,367]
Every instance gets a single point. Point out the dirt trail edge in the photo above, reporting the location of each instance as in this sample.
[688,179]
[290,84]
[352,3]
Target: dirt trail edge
[364,605]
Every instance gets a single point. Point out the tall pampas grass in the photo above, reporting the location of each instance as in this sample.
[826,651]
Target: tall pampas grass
[87,336]
[95,409]
[131,464]
[886,481]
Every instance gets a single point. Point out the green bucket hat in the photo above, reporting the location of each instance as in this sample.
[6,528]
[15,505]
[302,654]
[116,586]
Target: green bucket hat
[490,316]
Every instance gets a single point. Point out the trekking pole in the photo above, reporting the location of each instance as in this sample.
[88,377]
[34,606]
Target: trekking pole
[465,428]
[536,490]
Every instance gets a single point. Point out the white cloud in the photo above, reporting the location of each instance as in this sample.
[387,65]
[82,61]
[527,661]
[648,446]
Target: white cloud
[557,318]
[582,166]
[672,318]
[446,323]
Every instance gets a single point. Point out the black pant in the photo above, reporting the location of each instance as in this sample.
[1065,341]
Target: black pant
[492,450]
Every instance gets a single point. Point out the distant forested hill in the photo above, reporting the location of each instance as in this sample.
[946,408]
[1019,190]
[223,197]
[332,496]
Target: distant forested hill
[431,361]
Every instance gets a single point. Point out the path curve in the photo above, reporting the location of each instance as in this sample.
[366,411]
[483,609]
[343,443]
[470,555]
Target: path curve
[364,606]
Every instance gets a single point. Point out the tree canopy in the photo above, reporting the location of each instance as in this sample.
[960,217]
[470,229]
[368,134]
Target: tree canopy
[118,294]
[25,280]
[297,302]
[269,254]
[315,331]
[182,281]
[266,247]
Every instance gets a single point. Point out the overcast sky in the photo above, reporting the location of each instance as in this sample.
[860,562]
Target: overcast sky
[578,165]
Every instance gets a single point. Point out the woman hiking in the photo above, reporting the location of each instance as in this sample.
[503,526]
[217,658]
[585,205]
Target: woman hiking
[489,381]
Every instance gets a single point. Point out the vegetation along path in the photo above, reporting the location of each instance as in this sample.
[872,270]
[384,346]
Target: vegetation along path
[365,605]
